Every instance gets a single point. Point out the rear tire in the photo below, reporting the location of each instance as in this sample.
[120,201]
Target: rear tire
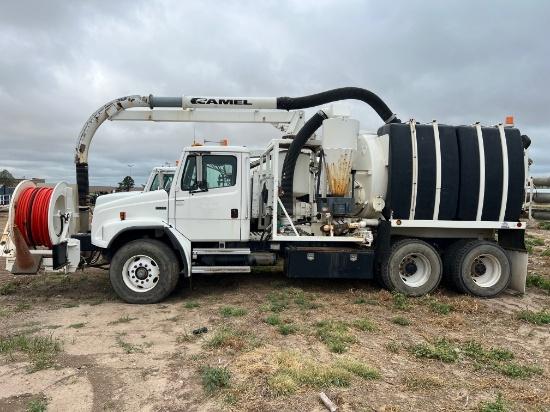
[481,268]
[144,271]
[412,267]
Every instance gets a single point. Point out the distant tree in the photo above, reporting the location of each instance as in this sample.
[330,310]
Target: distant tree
[126,185]
[6,178]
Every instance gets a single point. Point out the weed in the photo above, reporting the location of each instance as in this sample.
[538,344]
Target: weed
[517,371]
[538,281]
[287,329]
[360,301]
[9,288]
[441,350]
[37,405]
[40,350]
[420,382]
[440,308]
[127,347]
[232,311]
[77,325]
[214,378]
[497,405]
[191,305]
[123,319]
[392,347]
[282,384]
[235,339]
[537,318]
[401,321]
[365,325]
[281,299]
[475,351]
[273,320]
[545,252]
[4,312]
[544,225]
[400,301]
[335,335]
[531,242]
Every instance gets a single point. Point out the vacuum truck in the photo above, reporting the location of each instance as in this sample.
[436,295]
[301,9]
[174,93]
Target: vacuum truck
[405,205]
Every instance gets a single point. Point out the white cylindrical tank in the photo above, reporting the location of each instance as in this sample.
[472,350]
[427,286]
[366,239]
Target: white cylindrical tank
[370,161]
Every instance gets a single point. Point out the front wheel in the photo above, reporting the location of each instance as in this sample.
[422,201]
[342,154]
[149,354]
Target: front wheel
[144,271]
[412,267]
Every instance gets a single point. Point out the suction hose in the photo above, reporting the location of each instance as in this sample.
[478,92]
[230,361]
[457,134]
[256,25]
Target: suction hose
[294,103]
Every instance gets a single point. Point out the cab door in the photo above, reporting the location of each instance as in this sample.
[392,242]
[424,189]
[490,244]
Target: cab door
[207,197]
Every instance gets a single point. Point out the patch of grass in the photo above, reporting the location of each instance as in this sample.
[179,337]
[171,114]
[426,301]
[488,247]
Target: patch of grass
[335,334]
[392,347]
[400,301]
[364,324]
[517,371]
[360,301]
[232,311]
[122,319]
[228,337]
[4,312]
[441,350]
[52,326]
[359,369]
[416,383]
[476,351]
[538,281]
[401,321]
[280,300]
[40,350]
[294,372]
[191,305]
[37,405]
[545,252]
[544,225]
[22,306]
[287,329]
[215,378]
[77,325]
[9,288]
[127,347]
[531,242]
[186,337]
[70,305]
[440,308]
[498,405]
[537,318]
[273,320]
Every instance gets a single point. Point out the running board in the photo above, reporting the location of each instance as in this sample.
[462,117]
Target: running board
[221,251]
[220,269]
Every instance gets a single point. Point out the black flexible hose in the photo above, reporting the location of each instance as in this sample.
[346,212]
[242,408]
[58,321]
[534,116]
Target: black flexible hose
[343,93]
[287,178]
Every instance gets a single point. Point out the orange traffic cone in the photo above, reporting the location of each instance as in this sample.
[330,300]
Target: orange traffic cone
[25,262]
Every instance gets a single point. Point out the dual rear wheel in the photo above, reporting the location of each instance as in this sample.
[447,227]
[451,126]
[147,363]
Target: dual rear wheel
[476,267]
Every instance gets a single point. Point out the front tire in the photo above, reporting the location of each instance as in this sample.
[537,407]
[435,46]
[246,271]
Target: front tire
[144,271]
[412,267]
[481,268]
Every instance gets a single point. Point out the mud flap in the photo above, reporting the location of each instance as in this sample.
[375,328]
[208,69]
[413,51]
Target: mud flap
[519,270]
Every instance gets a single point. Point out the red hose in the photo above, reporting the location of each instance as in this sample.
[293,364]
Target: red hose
[31,216]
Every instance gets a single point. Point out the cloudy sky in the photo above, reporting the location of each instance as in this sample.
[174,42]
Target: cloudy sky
[454,61]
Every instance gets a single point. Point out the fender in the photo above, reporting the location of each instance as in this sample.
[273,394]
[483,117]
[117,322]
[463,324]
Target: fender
[179,242]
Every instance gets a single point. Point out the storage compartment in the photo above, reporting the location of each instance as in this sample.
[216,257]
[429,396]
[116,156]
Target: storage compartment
[329,262]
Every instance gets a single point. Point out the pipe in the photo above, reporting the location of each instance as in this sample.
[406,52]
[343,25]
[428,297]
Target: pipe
[343,93]
[293,103]
[287,178]
[87,133]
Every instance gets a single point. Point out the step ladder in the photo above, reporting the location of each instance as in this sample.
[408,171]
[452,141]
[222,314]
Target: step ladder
[220,251]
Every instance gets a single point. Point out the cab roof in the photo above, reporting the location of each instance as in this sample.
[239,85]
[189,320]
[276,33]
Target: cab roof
[206,148]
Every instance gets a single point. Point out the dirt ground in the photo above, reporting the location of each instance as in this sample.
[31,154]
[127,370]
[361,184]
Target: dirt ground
[272,344]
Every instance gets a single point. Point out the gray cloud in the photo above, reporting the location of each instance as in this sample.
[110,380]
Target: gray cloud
[458,62]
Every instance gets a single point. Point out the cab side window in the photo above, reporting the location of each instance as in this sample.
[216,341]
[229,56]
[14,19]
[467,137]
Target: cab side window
[189,178]
[219,171]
